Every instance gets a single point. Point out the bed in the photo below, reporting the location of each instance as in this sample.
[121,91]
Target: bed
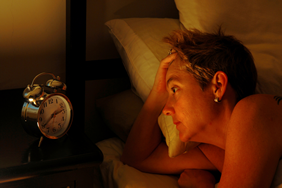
[257,23]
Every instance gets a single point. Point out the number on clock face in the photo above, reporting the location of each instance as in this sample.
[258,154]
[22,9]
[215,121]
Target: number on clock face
[54,115]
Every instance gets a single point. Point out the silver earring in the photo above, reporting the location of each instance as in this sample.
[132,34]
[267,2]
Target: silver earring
[170,51]
[216,100]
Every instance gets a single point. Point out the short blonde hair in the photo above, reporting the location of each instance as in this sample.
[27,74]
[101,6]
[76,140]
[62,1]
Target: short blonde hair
[206,53]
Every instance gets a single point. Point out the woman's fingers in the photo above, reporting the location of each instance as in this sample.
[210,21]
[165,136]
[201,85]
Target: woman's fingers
[160,80]
[168,60]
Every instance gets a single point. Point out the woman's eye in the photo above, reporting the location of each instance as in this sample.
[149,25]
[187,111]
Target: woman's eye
[174,89]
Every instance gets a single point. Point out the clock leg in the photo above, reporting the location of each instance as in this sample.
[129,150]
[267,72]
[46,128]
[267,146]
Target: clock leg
[40,141]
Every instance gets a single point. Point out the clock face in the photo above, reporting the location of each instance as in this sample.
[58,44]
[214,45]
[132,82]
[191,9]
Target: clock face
[54,116]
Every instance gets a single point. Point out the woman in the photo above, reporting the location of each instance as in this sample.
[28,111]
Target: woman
[207,86]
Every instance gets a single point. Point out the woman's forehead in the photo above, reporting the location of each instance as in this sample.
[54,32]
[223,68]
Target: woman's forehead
[176,65]
[176,70]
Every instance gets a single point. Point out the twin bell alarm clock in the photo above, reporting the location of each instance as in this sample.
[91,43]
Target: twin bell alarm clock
[47,111]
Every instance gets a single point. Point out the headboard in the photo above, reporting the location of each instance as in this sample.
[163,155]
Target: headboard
[85,34]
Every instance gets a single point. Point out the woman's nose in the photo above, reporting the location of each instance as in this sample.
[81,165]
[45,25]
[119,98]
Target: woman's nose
[168,110]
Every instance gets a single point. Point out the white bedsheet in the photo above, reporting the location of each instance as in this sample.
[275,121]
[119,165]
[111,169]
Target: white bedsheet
[117,175]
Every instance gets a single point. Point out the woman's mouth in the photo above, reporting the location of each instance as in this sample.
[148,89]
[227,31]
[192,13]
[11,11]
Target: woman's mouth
[176,123]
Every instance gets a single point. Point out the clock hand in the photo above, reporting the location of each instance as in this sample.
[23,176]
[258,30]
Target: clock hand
[52,115]
[58,111]
[55,114]
[53,120]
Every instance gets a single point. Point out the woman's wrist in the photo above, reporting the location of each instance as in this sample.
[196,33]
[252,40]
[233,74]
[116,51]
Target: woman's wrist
[156,101]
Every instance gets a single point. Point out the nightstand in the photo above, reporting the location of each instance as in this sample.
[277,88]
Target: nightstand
[71,161]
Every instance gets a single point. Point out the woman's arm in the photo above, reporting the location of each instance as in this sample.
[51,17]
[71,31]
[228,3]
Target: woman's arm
[145,134]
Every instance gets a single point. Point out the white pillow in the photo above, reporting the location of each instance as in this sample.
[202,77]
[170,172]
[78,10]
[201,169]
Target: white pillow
[257,23]
[139,42]
[119,112]
[175,145]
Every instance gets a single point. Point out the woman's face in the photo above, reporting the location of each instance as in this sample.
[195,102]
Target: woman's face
[189,106]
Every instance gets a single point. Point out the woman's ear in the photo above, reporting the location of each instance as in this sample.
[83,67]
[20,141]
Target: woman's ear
[219,81]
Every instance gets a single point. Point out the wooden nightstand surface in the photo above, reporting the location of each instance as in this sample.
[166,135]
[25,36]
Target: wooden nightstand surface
[20,157]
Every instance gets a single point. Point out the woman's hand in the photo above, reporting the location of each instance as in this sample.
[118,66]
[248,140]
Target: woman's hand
[196,179]
[160,80]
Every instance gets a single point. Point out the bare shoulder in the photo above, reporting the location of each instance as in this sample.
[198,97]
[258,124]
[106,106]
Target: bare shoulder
[254,130]
[260,104]
[259,113]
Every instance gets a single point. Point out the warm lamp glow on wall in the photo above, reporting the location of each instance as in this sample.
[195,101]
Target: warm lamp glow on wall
[32,39]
